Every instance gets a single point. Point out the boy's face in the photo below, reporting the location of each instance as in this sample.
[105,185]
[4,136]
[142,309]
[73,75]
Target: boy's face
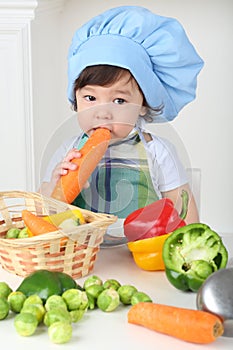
[116,106]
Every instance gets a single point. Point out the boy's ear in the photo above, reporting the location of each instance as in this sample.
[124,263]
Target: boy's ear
[143,111]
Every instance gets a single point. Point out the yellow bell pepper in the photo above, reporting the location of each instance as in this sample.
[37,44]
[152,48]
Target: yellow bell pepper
[147,253]
[57,219]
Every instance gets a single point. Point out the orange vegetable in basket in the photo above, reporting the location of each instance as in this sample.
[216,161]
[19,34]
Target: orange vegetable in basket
[36,224]
[70,185]
[193,326]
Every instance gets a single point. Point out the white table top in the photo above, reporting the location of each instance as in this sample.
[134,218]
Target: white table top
[99,330]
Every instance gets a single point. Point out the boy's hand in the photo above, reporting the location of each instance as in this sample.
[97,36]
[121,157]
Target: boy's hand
[66,165]
[63,167]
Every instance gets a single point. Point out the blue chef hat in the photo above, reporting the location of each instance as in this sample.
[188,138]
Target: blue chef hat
[153,48]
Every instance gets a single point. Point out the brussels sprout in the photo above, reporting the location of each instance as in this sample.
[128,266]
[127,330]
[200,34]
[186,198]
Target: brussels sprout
[23,233]
[37,310]
[4,308]
[12,233]
[108,300]
[76,315]
[55,301]
[5,290]
[75,299]
[126,292]
[111,283]
[60,332]
[55,315]
[137,297]
[33,299]
[91,302]
[92,280]
[94,290]
[25,324]
[16,301]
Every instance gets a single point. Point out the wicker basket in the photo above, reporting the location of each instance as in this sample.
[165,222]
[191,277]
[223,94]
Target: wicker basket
[73,253]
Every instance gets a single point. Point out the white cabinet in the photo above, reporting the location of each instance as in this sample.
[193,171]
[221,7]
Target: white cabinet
[16,140]
[28,32]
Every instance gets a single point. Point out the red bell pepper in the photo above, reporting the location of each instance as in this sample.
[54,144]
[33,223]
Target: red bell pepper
[155,219]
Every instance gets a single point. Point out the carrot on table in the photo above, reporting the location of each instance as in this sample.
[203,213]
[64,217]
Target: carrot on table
[194,326]
[70,185]
[37,225]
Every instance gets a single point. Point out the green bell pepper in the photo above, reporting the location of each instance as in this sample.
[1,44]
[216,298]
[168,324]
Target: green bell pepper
[190,254]
[45,283]
[67,282]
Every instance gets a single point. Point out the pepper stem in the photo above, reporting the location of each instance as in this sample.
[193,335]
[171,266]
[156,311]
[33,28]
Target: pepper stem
[185,200]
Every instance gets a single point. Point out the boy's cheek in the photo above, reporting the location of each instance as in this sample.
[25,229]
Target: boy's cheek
[109,115]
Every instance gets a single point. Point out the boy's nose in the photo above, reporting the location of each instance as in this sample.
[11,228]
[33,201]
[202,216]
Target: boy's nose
[103,114]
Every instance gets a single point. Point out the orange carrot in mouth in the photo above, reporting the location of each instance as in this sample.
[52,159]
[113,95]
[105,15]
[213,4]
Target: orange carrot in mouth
[193,326]
[70,185]
[37,225]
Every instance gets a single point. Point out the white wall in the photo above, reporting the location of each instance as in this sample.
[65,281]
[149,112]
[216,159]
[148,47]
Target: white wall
[204,127]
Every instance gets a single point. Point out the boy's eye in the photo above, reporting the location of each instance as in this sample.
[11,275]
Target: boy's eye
[119,101]
[89,98]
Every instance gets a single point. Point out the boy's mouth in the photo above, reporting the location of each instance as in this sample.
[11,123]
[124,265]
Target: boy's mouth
[105,126]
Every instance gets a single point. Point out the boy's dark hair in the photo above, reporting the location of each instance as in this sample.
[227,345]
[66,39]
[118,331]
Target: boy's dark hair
[105,75]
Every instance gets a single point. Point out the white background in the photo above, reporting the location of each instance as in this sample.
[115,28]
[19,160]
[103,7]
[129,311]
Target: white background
[204,127]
